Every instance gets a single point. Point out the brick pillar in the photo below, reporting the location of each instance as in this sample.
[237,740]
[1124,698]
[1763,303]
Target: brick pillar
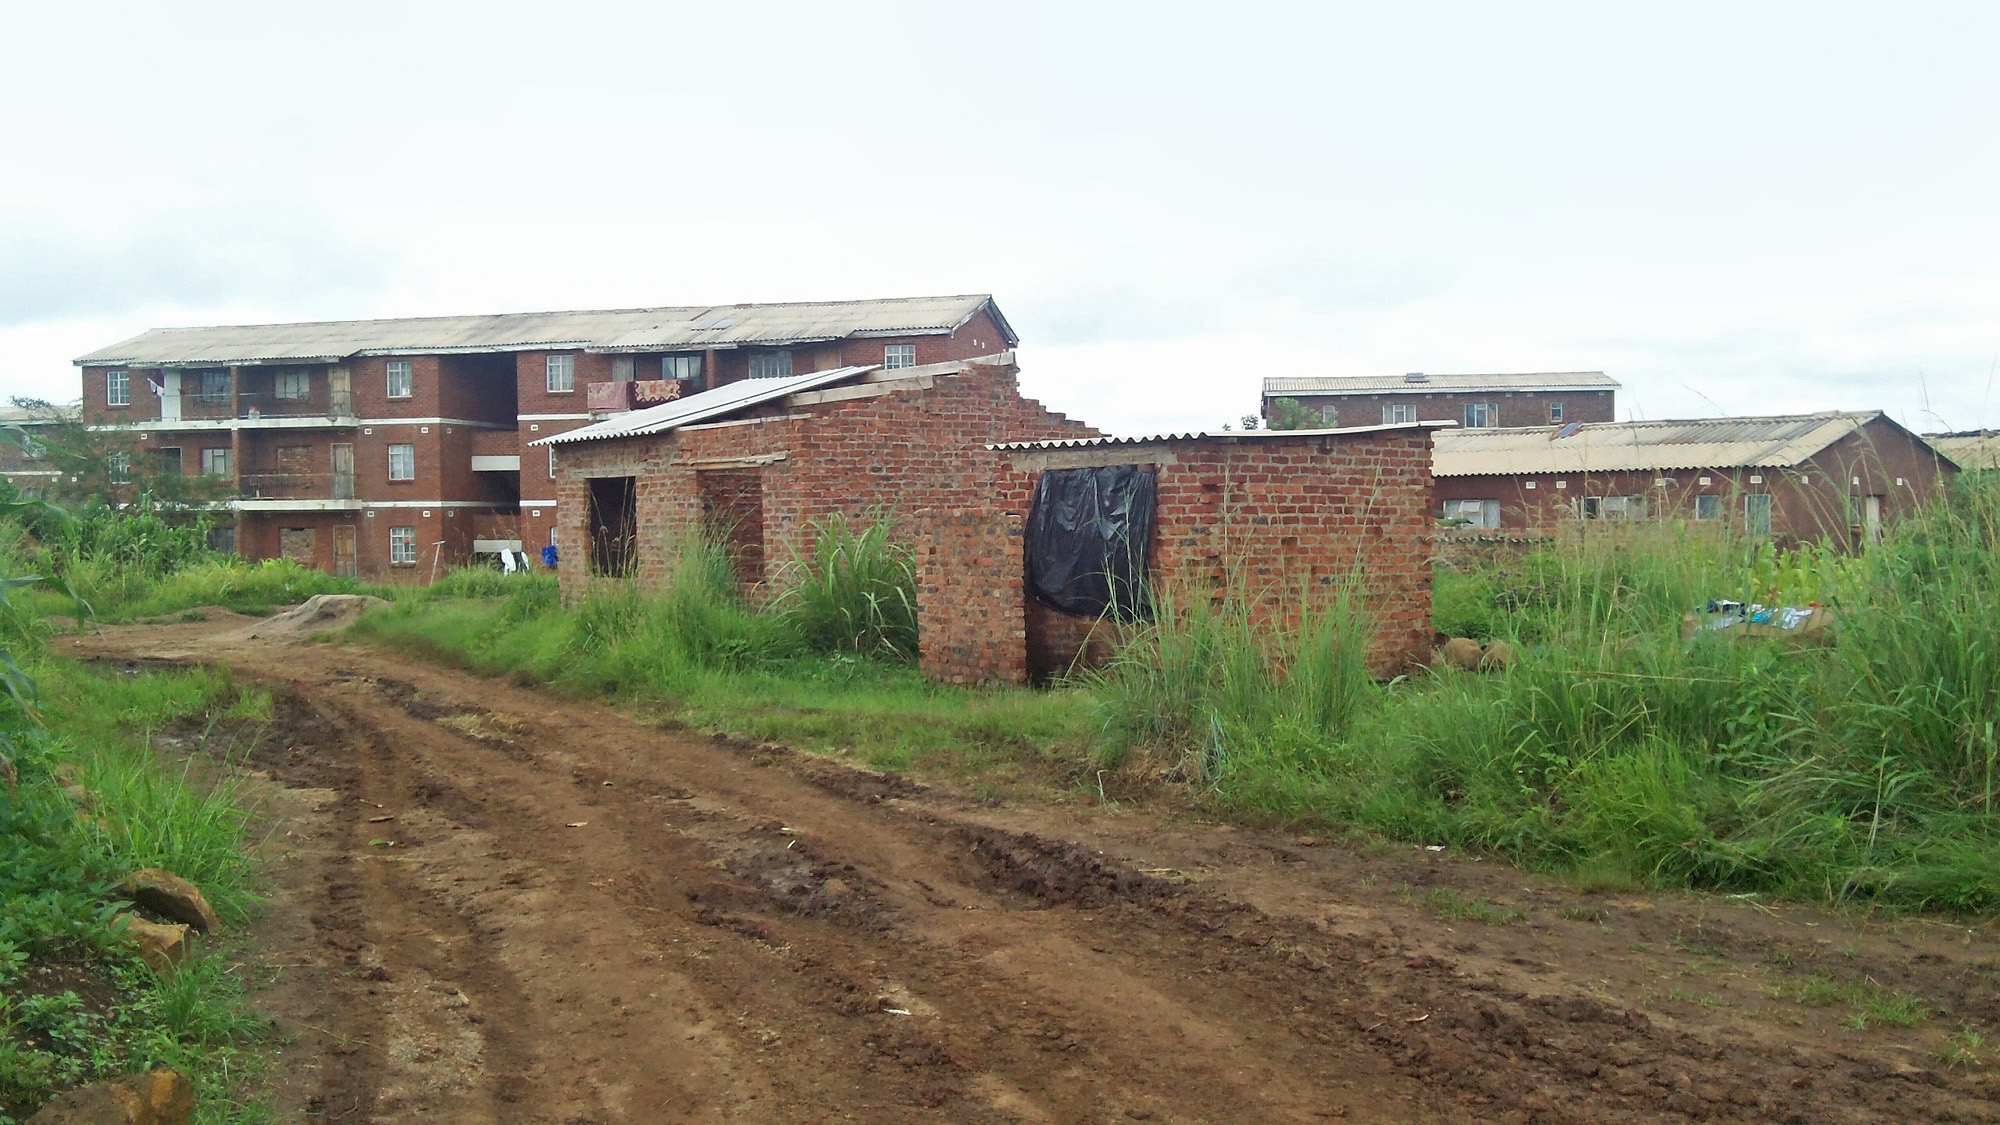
[971,619]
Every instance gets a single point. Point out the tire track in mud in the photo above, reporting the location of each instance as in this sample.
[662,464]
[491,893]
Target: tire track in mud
[574,917]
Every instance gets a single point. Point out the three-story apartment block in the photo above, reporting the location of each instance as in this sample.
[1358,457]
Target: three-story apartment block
[386,447]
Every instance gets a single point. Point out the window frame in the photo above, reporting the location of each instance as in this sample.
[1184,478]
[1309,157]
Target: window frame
[1490,411]
[1750,522]
[303,386]
[1712,501]
[118,387]
[408,534]
[1555,412]
[219,377]
[1398,413]
[409,378]
[118,466]
[782,358]
[896,357]
[1329,415]
[559,369]
[210,457]
[411,454]
[669,365]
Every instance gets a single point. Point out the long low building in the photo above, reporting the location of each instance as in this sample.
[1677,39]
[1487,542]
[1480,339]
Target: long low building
[1796,477]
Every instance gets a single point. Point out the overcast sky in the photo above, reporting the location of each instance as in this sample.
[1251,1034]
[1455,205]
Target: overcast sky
[1731,208]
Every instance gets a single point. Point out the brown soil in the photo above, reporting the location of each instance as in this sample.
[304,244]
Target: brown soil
[493,904]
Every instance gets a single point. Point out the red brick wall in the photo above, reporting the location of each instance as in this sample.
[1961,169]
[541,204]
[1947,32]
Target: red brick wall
[901,451]
[1517,408]
[1290,519]
[971,627]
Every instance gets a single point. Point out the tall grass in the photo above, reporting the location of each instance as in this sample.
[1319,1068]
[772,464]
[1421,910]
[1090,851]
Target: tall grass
[1864,768]
[855,592]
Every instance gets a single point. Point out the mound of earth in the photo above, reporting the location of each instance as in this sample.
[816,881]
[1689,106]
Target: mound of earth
[318,614]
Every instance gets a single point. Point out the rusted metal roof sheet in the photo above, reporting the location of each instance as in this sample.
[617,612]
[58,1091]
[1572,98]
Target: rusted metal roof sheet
[1280,386]
[724,400]
[1699,443]
[666,329]
[1224,435]
[1979,450]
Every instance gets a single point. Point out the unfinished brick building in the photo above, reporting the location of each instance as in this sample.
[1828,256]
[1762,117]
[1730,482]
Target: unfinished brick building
[762,460]
[1837,477]
[954,453]
[398,447]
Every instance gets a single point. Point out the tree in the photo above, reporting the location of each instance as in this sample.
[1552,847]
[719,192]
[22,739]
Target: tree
[1291,414]
[107,467]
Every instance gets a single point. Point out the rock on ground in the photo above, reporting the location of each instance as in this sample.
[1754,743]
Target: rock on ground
[164,892]
[157,1097]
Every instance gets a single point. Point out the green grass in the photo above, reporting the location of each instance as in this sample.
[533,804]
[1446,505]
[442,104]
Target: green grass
[1869,1002]
[1455,907]
[60,860]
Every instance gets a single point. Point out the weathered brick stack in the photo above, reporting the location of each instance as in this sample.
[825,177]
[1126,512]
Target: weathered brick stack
[971,627]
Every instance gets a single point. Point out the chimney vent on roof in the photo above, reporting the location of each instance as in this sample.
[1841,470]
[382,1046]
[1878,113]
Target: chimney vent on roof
[1416,377]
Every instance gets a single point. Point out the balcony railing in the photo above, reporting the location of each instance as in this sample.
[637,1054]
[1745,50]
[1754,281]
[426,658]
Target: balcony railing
[248,405]
[635,394]
[296,486]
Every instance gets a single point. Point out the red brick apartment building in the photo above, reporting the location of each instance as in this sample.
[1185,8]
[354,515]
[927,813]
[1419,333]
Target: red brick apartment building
[1473,401]
[1801,477]
[954,453]
[396,447]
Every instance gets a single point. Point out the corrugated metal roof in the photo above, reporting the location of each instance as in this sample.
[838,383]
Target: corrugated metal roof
[1208,435]
[1698,443]
[668,329]
[1280,385]
[726,399]
[1969,451]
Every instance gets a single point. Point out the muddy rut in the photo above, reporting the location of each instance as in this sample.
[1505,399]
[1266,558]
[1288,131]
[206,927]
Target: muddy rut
[495,905]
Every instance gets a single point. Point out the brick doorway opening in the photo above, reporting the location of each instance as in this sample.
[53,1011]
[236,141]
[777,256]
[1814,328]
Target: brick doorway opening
[614,524]
[732,514]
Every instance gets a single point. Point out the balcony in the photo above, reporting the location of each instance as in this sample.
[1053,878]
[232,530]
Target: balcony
[296,491]
[249,406]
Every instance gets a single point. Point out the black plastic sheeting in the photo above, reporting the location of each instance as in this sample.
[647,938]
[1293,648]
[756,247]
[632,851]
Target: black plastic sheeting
[1086,540]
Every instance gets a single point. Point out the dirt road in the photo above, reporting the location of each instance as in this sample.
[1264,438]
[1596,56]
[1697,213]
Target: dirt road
[495,905]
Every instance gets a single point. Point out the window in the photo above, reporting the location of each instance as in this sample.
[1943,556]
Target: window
[400,382]
[170,460]
[899,355]
[402,462]
[117,388]
[1707,506]
[1329,415]
[222,540]
[770,365]
[403,546]
[1555,413]
[213,385]
[1398,412]
[1757,513]
[1481,415]
[1482,514]
[215,462]
[119,464]
[686,368]
[1593,507]
[1613,508]
[290,383]
[561,374]
[552,462]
